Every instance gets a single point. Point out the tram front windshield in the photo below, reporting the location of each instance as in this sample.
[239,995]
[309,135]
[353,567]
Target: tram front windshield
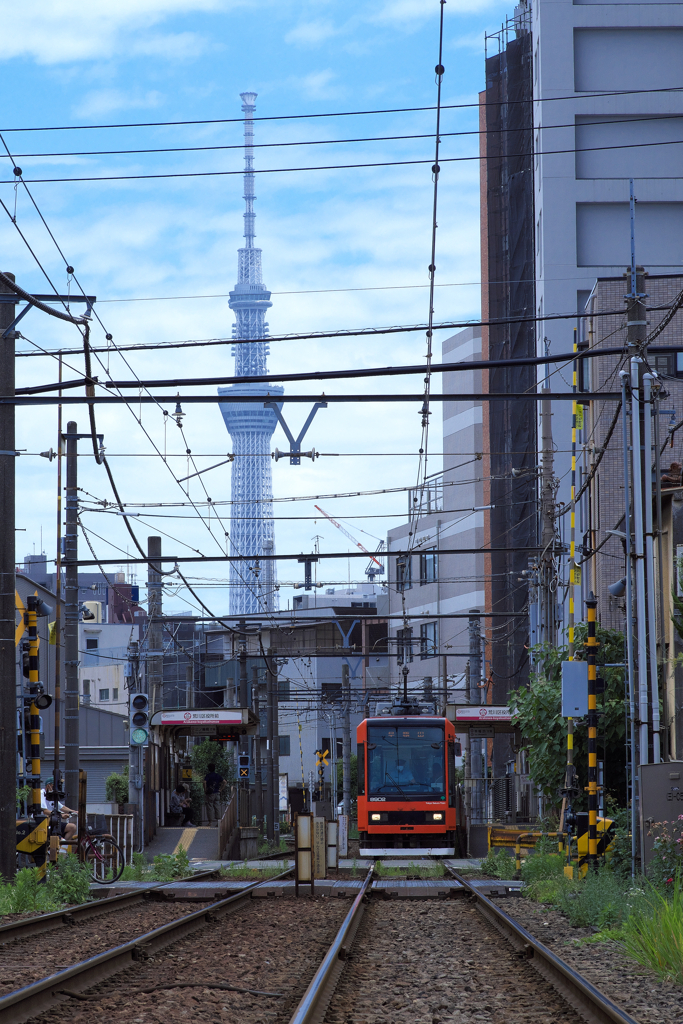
[406,762]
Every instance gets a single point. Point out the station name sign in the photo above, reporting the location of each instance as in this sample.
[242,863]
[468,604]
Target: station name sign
[219,716]
[483,713]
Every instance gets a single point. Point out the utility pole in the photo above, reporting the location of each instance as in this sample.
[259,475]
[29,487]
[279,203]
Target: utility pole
[547,616]
[58,608]
[346,743]
[8,668]
[474,695]
[154,666]
[71,620]
[592,719]
[276,745]
[258,784]
[270,732]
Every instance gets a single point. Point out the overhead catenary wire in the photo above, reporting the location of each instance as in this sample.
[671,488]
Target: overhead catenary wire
[336,113]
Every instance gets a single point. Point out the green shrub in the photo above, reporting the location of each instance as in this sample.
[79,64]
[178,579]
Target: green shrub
[26,894]
[116,786]
[600,900]
[498,863]
[653,934]
[69,881]
[542,865]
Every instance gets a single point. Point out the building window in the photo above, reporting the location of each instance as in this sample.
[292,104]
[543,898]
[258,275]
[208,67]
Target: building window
[86,687]
[404,575]
[283,688]
[331,692]
[404,645]
[91,656]
[115,693]
[429,566]
[104,694]
[429,640]
[285,746]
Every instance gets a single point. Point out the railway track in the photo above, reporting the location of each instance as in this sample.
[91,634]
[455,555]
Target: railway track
[382,960]
[104,920]
[415,962]
[31,927]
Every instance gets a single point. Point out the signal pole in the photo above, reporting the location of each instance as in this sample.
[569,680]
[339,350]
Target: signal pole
[592,718]
[8,669]
[71,617]
[154,663]
[346,733]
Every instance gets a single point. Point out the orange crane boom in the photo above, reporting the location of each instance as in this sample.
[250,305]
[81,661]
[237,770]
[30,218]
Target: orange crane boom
[351,538]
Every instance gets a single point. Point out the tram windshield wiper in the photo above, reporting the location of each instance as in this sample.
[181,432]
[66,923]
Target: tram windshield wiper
[388,776]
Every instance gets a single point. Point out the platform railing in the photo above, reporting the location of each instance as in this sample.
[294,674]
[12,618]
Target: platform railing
[228,823]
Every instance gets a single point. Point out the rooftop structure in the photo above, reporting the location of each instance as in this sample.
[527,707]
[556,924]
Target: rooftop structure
[251,425]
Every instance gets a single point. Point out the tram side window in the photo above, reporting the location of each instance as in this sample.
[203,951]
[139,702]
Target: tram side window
[451,774]
[361,769]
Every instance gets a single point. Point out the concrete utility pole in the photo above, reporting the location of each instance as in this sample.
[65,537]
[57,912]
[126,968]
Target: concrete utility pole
[276,745]
[71,620]
[258,784]
[547,615]
[8,668]
[346,743]
[270,735]
[477,762]
[154,665]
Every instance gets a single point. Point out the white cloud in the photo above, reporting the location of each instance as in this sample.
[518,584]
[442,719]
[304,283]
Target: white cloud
[104,101]
[311,33]
[318,85]
[72,30]
[408,13]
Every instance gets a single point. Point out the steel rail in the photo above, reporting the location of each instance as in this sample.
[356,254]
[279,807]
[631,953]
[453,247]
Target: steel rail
[33,999]
[589,1002]
[48,922]
[316,998]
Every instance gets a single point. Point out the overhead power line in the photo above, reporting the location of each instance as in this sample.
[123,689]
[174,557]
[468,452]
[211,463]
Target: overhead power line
[360,332]
[329,142]
[336,167]
[335,113]
[378,371]
[529,396]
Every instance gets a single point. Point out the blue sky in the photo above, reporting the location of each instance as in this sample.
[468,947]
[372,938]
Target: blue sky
[97,63]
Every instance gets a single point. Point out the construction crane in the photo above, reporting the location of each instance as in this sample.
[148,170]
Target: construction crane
[374,566]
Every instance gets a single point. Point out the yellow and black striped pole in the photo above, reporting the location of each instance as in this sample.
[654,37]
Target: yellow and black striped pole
[33,679]
[574,579]
[591,645]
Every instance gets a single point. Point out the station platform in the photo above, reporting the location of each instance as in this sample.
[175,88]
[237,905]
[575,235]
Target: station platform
[199,843]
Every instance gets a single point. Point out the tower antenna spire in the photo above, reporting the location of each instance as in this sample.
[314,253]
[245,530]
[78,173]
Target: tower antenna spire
[248,108]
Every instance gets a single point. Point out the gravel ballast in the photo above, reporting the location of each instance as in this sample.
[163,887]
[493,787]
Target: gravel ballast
[635,989]
[439,963]
[269,946]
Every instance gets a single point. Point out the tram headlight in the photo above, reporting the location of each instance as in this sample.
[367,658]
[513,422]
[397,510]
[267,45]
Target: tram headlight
[375,817]
[437,817]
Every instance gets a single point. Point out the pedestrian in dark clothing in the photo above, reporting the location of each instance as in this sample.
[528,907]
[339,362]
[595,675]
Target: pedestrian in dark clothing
[180,804]
[213,785]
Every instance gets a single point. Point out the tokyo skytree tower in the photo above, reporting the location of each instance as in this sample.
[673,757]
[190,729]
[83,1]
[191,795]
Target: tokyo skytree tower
[252,583]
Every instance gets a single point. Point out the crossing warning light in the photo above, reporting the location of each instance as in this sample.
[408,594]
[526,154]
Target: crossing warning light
[243,764]
[139,719]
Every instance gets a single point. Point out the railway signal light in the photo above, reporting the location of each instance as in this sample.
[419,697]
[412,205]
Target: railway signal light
[139,719]
[243,764]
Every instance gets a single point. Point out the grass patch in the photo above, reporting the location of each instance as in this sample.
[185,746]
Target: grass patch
[411,870]
[165,868]
[243,873]
[542,866]
[498,863]
[652,935]
[65,884]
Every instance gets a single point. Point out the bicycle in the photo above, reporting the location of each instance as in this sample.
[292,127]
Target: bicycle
[100,851]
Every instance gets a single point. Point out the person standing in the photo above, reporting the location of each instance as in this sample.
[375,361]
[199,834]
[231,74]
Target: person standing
[213,786]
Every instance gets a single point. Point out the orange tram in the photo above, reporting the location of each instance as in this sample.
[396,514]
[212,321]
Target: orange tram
[407,792]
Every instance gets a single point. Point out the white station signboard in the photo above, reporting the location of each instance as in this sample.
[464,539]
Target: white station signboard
[224,723]
[480,717]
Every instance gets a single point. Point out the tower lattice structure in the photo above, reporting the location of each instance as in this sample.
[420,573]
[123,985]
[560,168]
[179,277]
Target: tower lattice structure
[251,426]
